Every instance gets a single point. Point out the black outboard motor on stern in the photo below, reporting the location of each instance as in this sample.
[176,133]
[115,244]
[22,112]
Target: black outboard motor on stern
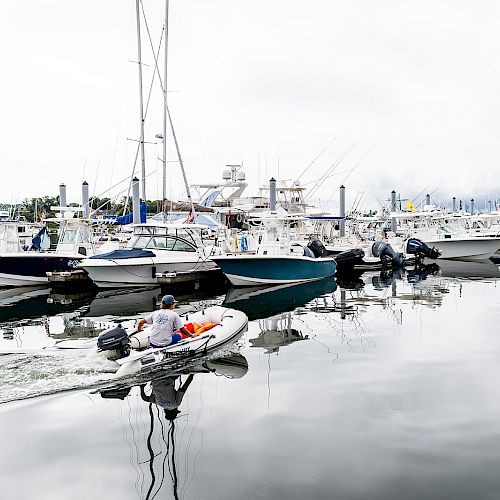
[115,339]
[317,248]
[387,254]
[418,248]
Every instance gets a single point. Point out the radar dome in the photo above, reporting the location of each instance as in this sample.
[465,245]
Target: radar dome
[240,176]
[226,175]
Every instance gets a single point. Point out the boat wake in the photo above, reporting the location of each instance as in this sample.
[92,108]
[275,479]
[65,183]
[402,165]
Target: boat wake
[30,375]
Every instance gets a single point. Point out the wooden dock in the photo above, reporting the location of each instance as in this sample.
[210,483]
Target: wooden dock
[63,279]
[188,276]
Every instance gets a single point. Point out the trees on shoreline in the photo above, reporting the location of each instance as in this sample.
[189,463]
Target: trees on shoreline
[39,208]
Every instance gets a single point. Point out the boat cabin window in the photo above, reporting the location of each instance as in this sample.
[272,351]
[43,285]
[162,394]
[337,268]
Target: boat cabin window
[138,241]
[158,242]
[179,245]
[161,242]
[69,236]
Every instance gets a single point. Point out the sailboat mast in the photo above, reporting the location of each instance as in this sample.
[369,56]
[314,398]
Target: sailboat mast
[165,108]
[141,104]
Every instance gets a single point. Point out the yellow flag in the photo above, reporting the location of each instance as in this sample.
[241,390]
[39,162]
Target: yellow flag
[410,206]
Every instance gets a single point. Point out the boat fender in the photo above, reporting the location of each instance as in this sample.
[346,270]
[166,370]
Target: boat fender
[244,243]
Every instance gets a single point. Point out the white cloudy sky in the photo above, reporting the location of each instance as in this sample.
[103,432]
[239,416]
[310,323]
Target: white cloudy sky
[413,85]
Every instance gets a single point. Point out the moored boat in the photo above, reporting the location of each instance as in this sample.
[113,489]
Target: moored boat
[279,256]
[154,248]
[251,270]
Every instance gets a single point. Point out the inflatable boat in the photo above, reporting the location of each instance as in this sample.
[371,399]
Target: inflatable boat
[217,326]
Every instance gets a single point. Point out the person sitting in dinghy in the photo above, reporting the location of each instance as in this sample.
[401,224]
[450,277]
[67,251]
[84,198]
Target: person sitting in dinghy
[164,322]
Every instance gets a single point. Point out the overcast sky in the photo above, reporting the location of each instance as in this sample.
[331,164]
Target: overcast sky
[410,89]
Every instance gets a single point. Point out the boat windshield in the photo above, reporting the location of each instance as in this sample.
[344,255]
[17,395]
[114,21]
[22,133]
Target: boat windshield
[138,241]
[69,236]
[161,242]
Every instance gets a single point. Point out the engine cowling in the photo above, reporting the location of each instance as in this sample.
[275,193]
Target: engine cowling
[418,248]
[115,339]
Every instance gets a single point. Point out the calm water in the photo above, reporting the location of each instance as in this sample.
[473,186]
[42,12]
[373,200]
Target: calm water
[367,387]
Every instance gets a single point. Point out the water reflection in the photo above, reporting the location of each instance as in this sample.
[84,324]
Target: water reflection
[472,270]
[263,302]
[166,447]
[375,385]
[276,332]
[25,303]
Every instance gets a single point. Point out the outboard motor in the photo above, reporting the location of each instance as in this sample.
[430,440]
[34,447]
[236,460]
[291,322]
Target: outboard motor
[308,252]
[420,249]
[387,254]
[317,248]
[115,339]
[348,259]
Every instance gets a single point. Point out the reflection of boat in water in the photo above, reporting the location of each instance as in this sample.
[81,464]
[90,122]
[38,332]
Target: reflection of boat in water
[170,443]
[277,332]
[458,269]
[11,296]
[129,302]
[133,301]
[263,302]
[123,302]
[231,366]
[30,302]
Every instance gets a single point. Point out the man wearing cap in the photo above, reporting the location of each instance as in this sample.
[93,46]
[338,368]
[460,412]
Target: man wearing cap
[165,321]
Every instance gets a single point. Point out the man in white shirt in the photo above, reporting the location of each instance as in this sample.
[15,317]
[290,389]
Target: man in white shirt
[165,321]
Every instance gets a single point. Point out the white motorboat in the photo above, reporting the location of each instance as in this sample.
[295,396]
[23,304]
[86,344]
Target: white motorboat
[153,249]
[30,267]
[451,234]
[279,258]
[465,248]
[223,326]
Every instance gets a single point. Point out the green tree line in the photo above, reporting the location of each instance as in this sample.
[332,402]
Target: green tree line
[33,209]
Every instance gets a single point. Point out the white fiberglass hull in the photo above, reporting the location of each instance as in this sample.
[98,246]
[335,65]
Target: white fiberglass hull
[474,248]
[141,271]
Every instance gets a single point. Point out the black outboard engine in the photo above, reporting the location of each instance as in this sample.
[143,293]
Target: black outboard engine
[420,249]
[317,248]
[387,254]
[348,259]
[115,339]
